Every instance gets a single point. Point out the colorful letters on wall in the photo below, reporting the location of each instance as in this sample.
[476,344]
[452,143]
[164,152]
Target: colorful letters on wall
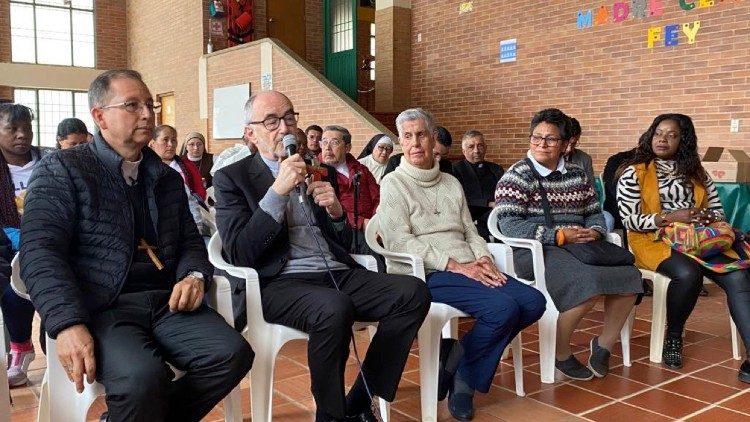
[670,35]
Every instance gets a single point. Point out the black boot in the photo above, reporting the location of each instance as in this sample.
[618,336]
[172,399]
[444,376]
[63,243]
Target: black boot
[672,354]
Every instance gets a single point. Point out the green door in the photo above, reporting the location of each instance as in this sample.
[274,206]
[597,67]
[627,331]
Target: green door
[340,44]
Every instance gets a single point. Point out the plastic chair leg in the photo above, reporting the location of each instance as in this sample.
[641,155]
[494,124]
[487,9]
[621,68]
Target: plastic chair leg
[42,414]
[518,364]
[625,334]
[735,340]
[233,406]
[659,317]
[547,338]
[429,356]
[261,385]
[450,330]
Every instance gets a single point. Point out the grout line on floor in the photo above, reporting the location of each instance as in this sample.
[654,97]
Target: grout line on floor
[717,404]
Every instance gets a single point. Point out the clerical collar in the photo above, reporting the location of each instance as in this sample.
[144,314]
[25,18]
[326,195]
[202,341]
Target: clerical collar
[130,170]
[544,171]
[273,165]
[194,159]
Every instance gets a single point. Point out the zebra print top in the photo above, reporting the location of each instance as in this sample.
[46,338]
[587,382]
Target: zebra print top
[674,194]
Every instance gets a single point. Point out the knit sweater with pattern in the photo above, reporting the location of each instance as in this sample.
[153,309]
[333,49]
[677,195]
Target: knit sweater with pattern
[572,199]
[424,212]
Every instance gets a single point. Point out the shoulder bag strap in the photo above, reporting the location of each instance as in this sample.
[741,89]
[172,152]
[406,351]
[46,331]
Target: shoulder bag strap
[545,201]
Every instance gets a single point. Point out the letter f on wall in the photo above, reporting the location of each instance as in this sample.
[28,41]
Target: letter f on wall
[654,34]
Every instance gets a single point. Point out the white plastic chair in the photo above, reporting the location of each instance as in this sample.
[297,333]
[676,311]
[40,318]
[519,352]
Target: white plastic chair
[4,389]
[58,396]
[659,317]
[548,322]
[267,339]
[442,317]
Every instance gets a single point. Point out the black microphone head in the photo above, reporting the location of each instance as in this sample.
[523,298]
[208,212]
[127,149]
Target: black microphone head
[290,144]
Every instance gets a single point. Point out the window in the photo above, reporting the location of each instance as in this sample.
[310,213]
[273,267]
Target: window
[59,32]
[372,51]
[50,107]
[342,26]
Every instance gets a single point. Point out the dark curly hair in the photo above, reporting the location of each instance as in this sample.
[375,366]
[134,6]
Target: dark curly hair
[688,162]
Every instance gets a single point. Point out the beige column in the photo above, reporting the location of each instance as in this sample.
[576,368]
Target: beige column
[392,55]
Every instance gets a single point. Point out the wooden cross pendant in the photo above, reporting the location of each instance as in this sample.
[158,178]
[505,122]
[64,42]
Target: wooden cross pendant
[143,245]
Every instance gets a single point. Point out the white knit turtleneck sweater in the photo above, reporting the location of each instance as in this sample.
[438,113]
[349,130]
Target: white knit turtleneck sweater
[424,212]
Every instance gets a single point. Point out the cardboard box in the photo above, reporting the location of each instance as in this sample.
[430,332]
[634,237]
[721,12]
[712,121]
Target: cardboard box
[736,169]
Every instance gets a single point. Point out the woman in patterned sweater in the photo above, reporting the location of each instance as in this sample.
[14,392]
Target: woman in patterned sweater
[665,183]
[577,218]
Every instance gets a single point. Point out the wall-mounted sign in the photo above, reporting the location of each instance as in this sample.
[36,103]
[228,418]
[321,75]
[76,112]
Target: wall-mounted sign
[508,50]
[668,35]
[466,7]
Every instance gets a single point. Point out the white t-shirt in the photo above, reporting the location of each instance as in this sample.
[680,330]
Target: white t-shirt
[21,176]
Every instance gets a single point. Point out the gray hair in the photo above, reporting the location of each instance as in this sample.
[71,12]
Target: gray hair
[414,114]
[249,109]
[99,93]
[344,131]
[472,133]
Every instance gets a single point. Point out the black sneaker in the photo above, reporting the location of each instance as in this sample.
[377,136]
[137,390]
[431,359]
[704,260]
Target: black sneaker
[599,359]
[573,369]
[671,356]
[744,374]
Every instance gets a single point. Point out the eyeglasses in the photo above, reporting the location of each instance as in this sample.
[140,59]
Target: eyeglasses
[384,148]
[332,142]
[272,122]
[136,106]
[549,140]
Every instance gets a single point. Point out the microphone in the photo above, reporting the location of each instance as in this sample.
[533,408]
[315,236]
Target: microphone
[290,144]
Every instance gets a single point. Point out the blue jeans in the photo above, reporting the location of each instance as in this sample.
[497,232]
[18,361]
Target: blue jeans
[500,313]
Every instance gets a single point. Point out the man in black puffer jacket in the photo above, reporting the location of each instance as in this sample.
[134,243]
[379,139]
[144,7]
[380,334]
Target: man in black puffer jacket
[115,265]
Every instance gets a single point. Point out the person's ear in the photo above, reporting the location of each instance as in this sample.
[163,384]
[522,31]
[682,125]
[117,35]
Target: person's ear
[98,115]
[348,148]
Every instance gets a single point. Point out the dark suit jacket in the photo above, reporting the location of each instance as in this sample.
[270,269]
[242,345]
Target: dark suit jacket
[252,238]
[465,174]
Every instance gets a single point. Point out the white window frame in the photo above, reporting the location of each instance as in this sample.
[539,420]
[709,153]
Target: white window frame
[70,9]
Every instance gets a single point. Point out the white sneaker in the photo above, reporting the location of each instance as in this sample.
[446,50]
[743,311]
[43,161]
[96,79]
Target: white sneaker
[19,367]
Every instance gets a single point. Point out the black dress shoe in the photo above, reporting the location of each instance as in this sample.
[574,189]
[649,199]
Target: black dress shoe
[744,374]
[461,405]
[366,416]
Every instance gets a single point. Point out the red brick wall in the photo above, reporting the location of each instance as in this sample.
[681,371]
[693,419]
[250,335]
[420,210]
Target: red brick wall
[315,103]
[166,38]
[604,75]
[111,34]
[314,30]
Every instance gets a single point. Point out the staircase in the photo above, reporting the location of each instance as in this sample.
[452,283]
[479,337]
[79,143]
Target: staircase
[387,119]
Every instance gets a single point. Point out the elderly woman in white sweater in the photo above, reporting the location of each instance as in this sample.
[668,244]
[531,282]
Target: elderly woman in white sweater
[424,211]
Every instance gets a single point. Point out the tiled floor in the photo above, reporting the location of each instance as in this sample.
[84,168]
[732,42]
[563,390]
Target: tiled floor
[706,389]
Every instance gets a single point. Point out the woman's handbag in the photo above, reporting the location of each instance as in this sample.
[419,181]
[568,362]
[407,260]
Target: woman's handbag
[599,252]
[701,243]
[696,240]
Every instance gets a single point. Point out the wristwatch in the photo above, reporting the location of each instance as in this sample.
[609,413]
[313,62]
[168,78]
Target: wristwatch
[196,274]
